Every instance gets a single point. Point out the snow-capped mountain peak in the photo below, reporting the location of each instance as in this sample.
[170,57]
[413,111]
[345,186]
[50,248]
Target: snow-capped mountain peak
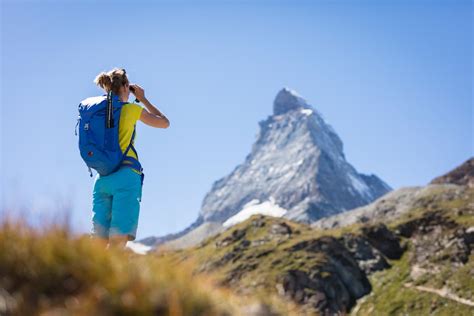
[288,100]
[296,168]
[298,159]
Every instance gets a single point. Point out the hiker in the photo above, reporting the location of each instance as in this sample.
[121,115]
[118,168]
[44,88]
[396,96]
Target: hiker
[117,196]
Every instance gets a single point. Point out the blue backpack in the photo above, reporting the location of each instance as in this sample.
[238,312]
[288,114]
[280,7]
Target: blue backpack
[99,145]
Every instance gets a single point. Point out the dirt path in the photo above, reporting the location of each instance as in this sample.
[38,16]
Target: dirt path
[444,292]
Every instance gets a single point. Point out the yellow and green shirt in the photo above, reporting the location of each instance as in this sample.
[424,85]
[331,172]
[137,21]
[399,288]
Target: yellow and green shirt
[128,118]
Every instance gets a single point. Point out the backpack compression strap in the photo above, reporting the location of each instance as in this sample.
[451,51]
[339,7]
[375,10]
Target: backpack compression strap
[109,123]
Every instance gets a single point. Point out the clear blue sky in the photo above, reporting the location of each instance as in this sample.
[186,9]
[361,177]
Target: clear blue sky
[394,78]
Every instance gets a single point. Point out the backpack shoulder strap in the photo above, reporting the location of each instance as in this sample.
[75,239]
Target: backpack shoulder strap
[130,146]
[130,161]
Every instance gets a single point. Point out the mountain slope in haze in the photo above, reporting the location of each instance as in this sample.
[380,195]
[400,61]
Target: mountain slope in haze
[296,169]
[396,203]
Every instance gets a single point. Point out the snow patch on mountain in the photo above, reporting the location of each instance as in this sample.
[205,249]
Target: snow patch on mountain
[138,248]
[307,112]
[254,207]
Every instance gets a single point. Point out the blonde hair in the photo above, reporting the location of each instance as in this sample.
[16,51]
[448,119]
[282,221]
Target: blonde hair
[112,80]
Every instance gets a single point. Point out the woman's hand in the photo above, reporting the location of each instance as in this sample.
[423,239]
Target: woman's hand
[138,92]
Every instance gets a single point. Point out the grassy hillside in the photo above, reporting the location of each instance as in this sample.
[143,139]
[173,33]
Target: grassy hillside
[265,255]
[418,264]
[395,293]
[52,272]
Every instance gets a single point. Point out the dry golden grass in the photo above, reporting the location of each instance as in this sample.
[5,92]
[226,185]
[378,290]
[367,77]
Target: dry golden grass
[53,272]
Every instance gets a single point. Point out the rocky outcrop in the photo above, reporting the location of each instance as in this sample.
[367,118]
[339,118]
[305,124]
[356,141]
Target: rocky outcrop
[437,240]
[368,258]
[384,240]
[332,287]
[462,175]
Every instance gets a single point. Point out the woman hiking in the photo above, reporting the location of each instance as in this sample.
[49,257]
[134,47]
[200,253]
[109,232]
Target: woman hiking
[117,196]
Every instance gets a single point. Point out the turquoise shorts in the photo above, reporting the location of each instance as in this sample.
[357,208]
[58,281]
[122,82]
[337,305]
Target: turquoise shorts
[116,203]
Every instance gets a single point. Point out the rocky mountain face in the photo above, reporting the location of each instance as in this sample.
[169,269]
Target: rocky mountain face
[298,161]
[296,169]
[409,252]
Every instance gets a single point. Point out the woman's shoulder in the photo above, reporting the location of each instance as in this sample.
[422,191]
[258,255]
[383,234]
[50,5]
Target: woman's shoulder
[132,109]
[131,105]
